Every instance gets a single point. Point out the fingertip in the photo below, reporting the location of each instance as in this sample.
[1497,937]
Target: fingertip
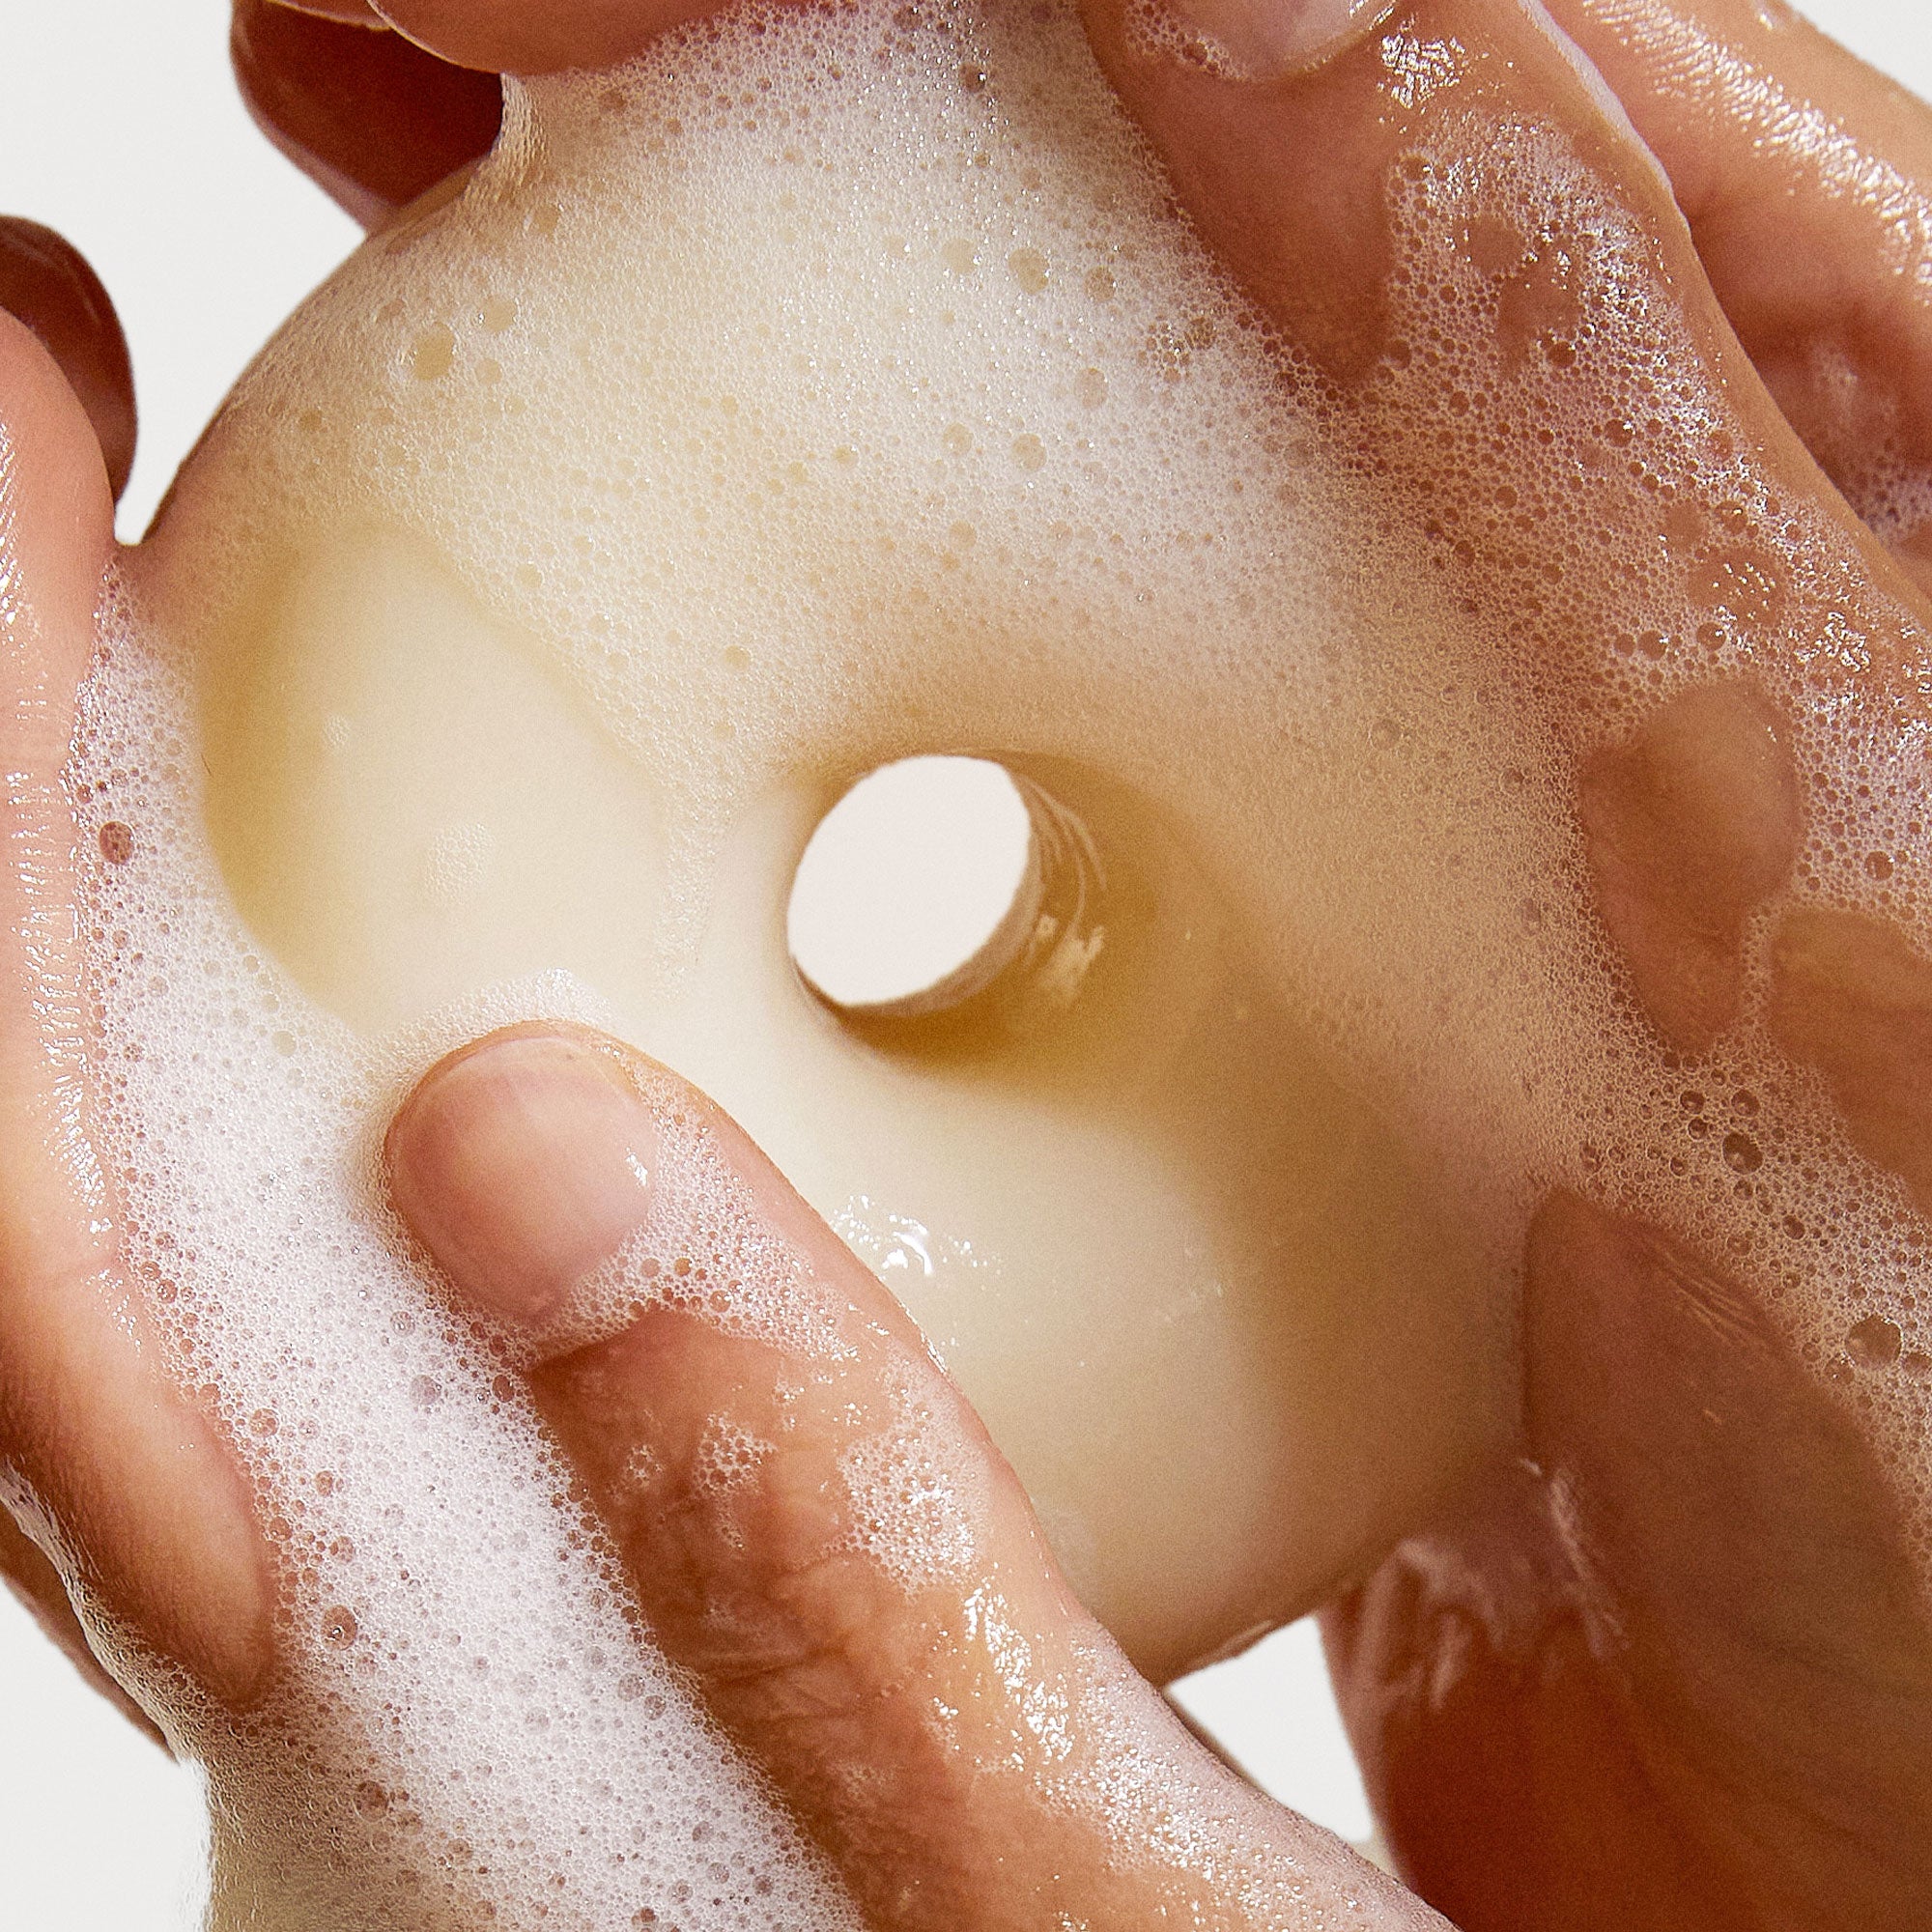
[1747,1570]
[371,118]
[1271,39]
[512,37]
[200,1582]
[124,1485]
[56,517]
[518,1163]
[47,284]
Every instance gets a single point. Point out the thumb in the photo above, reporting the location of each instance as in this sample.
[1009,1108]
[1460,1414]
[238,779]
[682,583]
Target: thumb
[817,1524]
[1675,1671]
[121,1478]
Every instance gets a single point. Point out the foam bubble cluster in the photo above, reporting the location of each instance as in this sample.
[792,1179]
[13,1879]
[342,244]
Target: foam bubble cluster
[837,385]
[467,1726]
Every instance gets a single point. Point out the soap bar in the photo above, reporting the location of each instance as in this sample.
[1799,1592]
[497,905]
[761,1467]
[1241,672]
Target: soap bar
[623,505]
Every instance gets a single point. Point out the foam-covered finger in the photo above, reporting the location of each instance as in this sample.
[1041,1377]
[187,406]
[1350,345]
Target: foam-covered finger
[1807,179]
[371,118]
[122,1480]
[816,1523]
[46,283]
[1288,131]
[54,526]
[1440,206]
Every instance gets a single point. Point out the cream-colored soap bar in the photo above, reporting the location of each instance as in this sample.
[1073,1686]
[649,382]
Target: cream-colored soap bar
[665,491]
[1185,1275]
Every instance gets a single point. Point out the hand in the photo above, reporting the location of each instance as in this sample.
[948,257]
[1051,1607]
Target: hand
[887,1636]
[119,1480]
[1667,1762]
[1674,1669]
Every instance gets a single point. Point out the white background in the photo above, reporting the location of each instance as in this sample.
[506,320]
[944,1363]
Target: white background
[121,128]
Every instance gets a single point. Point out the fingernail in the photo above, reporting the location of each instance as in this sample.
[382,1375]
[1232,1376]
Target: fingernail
[1269,39]
[521,1165]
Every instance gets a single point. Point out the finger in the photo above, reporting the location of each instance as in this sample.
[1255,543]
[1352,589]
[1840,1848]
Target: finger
[1714,1705]
[125,1486]
[816,1523]
[1852,998]
[371,119]
[1282,147]
[46,283]
[513,36]
[357,11]
[25,1570]
[1689,825]
[1807,179]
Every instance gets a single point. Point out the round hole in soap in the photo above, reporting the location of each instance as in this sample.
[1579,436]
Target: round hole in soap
[917,889]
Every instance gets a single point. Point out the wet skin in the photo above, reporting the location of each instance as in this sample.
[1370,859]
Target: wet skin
[1672,1665]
